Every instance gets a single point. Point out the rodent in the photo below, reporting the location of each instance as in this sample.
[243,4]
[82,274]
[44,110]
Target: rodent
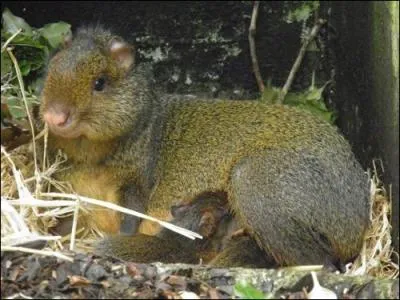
[289,177]
[242,252]
[221,246]
[208,216]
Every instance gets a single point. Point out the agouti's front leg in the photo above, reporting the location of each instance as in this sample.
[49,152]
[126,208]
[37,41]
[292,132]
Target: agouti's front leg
[132,198]
[99,183]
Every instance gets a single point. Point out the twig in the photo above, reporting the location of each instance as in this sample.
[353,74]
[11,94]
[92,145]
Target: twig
[19,296]
[299,59]
[46,135]
[4,47]
[22,88]
[183,231]
[34,251]
[252,33]
[13,217]
[42,203]
[74,225]
[15,239]
[306,268]
[57,203]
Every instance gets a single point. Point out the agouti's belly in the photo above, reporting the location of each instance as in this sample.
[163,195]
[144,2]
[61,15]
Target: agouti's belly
[98,183]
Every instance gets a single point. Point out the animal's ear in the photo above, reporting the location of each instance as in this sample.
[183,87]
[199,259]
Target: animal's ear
[123,53]
[179,209]
[210,218]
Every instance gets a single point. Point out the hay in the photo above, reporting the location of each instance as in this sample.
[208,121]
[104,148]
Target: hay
[378,257]
[23,224]
[29,214]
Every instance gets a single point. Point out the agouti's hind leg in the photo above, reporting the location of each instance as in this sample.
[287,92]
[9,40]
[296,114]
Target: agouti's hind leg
[242,251]
[279,197]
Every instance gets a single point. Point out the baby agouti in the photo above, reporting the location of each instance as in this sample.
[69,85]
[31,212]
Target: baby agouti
[208,216]
[289,177]
[220,246]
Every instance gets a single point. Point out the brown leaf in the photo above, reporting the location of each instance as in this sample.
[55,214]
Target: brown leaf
[177,281]
[105,284]
[4,109]
[13,136]
[76,280]
[133,269]
[213,293]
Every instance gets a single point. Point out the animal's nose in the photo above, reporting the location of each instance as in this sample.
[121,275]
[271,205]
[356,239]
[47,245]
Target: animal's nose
[57,115]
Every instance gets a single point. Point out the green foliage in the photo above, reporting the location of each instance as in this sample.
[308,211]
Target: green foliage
[247,291]
[30,53]
[299,11]
[32,48]
[13,23]
[55,33]
[270,94]
[310,100]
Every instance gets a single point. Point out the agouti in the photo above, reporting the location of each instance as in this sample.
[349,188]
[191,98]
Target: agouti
[208,216]
[220,246]
[289,177]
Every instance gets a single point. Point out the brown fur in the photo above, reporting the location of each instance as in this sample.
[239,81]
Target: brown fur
[208,216]
[288,176]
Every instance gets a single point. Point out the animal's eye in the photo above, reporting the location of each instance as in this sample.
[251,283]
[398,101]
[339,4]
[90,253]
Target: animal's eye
[99,84]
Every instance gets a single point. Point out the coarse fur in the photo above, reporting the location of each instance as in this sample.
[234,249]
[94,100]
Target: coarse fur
[289,177]
[207,215]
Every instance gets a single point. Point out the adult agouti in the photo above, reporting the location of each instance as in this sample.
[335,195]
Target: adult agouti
[289,177]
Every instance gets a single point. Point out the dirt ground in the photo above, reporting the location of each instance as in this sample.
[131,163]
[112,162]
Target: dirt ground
[93,277]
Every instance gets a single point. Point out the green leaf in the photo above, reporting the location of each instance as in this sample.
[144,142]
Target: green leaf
[31,48]
[16,108]
[293,98]
[302,12]
[25,68]
[247,291]
[6,64]
[12,23]
[322,113]
[55,33]
[312,101]
[25,40]
[36,85]
[314,94]
[31,54]
[270,94]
